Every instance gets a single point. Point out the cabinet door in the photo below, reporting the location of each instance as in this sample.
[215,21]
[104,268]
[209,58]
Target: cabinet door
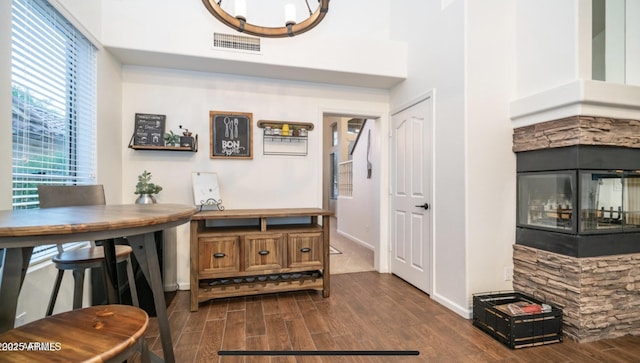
[264,252]
[219,254]
[305,250]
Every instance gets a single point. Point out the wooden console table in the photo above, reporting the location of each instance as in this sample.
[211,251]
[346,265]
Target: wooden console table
[254,251]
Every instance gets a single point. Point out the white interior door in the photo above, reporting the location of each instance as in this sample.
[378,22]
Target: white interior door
[411,184]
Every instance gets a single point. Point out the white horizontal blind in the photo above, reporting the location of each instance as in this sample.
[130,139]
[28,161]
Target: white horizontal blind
[53,68]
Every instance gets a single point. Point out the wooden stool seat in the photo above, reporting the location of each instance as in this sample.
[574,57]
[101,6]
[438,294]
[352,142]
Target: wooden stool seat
[93,256]
[107,333]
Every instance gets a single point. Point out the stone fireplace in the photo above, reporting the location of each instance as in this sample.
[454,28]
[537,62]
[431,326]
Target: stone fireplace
[578,222]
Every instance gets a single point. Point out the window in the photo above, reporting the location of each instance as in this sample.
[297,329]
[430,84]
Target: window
[354,125]
[334,176]
[334,134]
[53,80]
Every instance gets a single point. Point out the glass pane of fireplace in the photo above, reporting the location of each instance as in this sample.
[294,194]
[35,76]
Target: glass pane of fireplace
[610,201]
[631,201]
[545,200]
[601,201]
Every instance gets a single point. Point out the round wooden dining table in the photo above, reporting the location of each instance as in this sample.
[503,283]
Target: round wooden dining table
[21,230]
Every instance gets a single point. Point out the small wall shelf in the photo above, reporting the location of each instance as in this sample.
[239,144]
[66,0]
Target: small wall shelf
[193,148]
[275,143]
[278,124]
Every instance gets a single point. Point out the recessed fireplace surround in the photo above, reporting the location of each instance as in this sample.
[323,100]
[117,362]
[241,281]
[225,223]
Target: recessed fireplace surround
[578,222]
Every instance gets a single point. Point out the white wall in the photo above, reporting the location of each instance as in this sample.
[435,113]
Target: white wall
[546,55]
[359,214]
[469,63]
[84,15]
[632,48]
[109,114]
[436,37]
[266,181]
[491,165]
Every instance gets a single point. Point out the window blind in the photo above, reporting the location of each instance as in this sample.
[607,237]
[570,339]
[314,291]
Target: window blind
[53,70]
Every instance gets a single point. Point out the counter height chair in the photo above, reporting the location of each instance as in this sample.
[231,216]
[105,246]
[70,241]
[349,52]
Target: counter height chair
[81,259]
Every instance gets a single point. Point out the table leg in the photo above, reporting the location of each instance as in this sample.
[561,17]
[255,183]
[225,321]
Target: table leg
[111,269]
[16,262]
[144,248]
[326,273]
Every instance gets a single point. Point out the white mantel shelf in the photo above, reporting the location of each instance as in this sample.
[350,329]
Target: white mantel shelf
[580,97]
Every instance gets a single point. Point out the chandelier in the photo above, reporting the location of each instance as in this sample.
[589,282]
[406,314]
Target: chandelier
[238,20]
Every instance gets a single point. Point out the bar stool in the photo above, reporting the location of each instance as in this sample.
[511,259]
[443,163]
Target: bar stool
[81,259]
[105,333]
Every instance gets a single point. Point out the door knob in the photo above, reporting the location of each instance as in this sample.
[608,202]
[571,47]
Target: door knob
[425,206]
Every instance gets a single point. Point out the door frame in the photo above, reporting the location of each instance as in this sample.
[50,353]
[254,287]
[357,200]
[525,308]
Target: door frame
[381,117]
[432,215]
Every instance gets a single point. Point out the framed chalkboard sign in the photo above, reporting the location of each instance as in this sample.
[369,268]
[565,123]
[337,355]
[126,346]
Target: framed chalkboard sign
[149,129]
[231,135]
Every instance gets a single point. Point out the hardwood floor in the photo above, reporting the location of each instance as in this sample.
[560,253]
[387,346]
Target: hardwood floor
[366,311]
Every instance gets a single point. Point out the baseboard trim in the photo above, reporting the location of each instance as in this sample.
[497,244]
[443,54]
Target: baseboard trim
[356,240]
[464,312]
[183,286]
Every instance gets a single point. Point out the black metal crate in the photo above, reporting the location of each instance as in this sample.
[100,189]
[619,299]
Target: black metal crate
[493,313]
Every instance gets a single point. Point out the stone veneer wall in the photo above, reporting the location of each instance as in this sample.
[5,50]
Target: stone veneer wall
[599,296]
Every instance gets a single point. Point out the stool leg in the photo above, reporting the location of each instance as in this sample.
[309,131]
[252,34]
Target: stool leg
[78,278]
[145,357]
[54,294]
[132,283]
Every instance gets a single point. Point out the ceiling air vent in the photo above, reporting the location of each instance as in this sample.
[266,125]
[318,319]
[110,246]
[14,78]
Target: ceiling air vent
[236,42]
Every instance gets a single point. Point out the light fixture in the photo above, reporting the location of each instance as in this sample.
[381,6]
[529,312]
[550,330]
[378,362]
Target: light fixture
[238,21]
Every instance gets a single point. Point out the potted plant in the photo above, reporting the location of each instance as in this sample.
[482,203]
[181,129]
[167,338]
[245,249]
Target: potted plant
[146,189]
[171,139]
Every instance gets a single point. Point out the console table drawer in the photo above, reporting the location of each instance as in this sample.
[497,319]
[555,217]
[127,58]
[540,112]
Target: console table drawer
[219,254]
[264,252]
[305,250]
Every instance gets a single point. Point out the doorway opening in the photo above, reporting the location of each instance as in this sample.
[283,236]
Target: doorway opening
[351,184]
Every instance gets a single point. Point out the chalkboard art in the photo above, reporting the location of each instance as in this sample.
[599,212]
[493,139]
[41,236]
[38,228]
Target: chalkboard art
[231,135]
[149,129]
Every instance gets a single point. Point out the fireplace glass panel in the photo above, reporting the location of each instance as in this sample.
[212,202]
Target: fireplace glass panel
[545,200]
[610,201]
[631,201]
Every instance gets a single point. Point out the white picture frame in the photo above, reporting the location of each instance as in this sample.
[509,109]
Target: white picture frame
[206,190]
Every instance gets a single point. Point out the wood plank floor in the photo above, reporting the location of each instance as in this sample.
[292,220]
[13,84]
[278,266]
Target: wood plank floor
[366,311]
